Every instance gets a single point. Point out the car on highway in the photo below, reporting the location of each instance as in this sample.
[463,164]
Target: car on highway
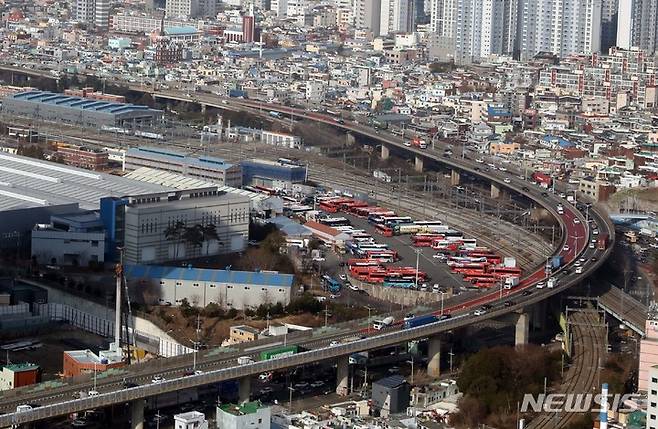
[445,316]
[409,317]
[480,161]
[526,292]
[565,248]
[354,288]
[265,376]
[343,277]
[440,256]
[480,312]
[595,231]
[507,180]
[157,379]
[579,270]
[509,303]
[334,295]
[502,168]
[576,220]
[129,384]
[334,343]
[540,285]
[318,383]
[592,246]
[301,385]
[407,143]
[593,259]
[92,393]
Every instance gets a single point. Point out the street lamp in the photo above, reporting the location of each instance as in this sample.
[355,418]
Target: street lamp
[417,260]
[442,294]
[369,308]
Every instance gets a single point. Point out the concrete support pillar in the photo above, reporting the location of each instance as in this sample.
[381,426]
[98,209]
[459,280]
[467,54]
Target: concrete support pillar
[434,356]
[385,152]
[454,178]
[203,108]
[495,190]
[244,391]
[349,139]
[522,329]
[539,315]
[342,376]
[418,165]
[137,414]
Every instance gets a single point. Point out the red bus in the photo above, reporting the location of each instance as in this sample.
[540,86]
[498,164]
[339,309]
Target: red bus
[376,254]
[328,206]
[376,276]
[384,230]
[506,271]
[425,240]
[359,262]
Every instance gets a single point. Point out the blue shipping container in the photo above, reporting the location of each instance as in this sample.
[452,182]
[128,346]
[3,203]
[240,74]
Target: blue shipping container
[420,321]
[557,261]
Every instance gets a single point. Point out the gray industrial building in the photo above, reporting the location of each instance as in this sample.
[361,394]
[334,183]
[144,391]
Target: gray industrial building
[32,191]
[80,111]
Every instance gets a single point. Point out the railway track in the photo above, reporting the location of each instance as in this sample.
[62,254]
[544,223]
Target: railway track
[588,344]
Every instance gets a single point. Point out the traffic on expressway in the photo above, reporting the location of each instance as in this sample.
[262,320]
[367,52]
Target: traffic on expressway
[213,366]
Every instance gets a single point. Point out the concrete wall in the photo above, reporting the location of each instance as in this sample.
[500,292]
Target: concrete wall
[401,296]
[99,319]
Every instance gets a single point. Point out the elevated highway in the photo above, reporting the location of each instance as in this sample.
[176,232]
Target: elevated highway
[221,364]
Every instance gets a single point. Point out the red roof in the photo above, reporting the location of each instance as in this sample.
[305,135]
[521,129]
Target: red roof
[322,228]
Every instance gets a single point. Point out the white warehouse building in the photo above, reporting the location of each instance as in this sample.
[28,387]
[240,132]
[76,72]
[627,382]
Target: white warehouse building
[228,288]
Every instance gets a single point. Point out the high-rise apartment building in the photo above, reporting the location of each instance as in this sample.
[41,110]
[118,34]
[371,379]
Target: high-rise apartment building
[561,27]
[396,16]
[280,7]
[367,14]
[637,25]
[182,8]
[96,12]
[608,24]
[442,17]
[483,28]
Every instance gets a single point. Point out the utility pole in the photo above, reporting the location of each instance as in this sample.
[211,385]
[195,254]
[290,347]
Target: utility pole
[291,389]
[451,354]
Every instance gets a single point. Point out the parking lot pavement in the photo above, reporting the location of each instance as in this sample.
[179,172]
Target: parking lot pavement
[438,272]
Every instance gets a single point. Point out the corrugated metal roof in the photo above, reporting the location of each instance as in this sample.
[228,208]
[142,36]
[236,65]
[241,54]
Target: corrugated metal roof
[209,275]
[27,182]
[178,181]
[74,102]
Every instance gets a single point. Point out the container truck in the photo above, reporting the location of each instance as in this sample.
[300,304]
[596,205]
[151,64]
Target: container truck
[385,322]
[602,242]
[420,321]
[245,360]
[551,283]
[511,282]
[557,262]
[278,352]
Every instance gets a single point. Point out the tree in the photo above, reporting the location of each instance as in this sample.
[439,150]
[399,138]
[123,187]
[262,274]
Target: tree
[193,236]
[209,232]
[175,233]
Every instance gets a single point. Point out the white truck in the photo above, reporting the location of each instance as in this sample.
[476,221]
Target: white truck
[383,323]
[551,283]
[244,360]
[511,282]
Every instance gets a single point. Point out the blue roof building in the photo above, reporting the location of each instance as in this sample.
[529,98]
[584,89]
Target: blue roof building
[209,168]
[79,111]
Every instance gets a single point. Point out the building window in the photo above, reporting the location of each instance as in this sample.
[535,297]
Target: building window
[179,284]
[196,284]
[94,243]
[162,282]
[654,380]
[212,285]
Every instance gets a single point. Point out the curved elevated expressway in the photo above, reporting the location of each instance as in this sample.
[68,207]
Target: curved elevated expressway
[221,364]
